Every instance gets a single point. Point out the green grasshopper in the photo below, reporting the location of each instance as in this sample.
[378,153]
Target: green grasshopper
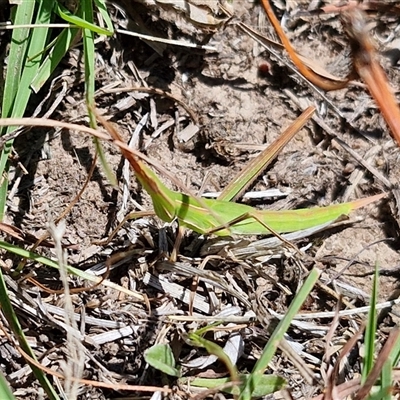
[208,216]
[224,218]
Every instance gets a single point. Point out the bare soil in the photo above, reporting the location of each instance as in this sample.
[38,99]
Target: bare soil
[243,98]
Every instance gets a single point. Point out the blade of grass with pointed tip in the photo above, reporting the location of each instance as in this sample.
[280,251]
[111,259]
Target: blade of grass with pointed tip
[101,5]
[253,169]
[83,23]
[23,15]
[278,334]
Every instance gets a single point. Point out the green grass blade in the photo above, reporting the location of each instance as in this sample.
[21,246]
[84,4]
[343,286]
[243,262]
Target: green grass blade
[37,43]
[66,15]
[387,379]
[387,371]
[381,394]
[268,384]
[369,339]
[89,55]
[395,355]
[101,5]
[5,391]
[14,324]
[16,57]
[278,335]
[53,58]
[65,40]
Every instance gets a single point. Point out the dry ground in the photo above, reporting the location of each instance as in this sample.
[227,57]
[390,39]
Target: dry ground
[238,111]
